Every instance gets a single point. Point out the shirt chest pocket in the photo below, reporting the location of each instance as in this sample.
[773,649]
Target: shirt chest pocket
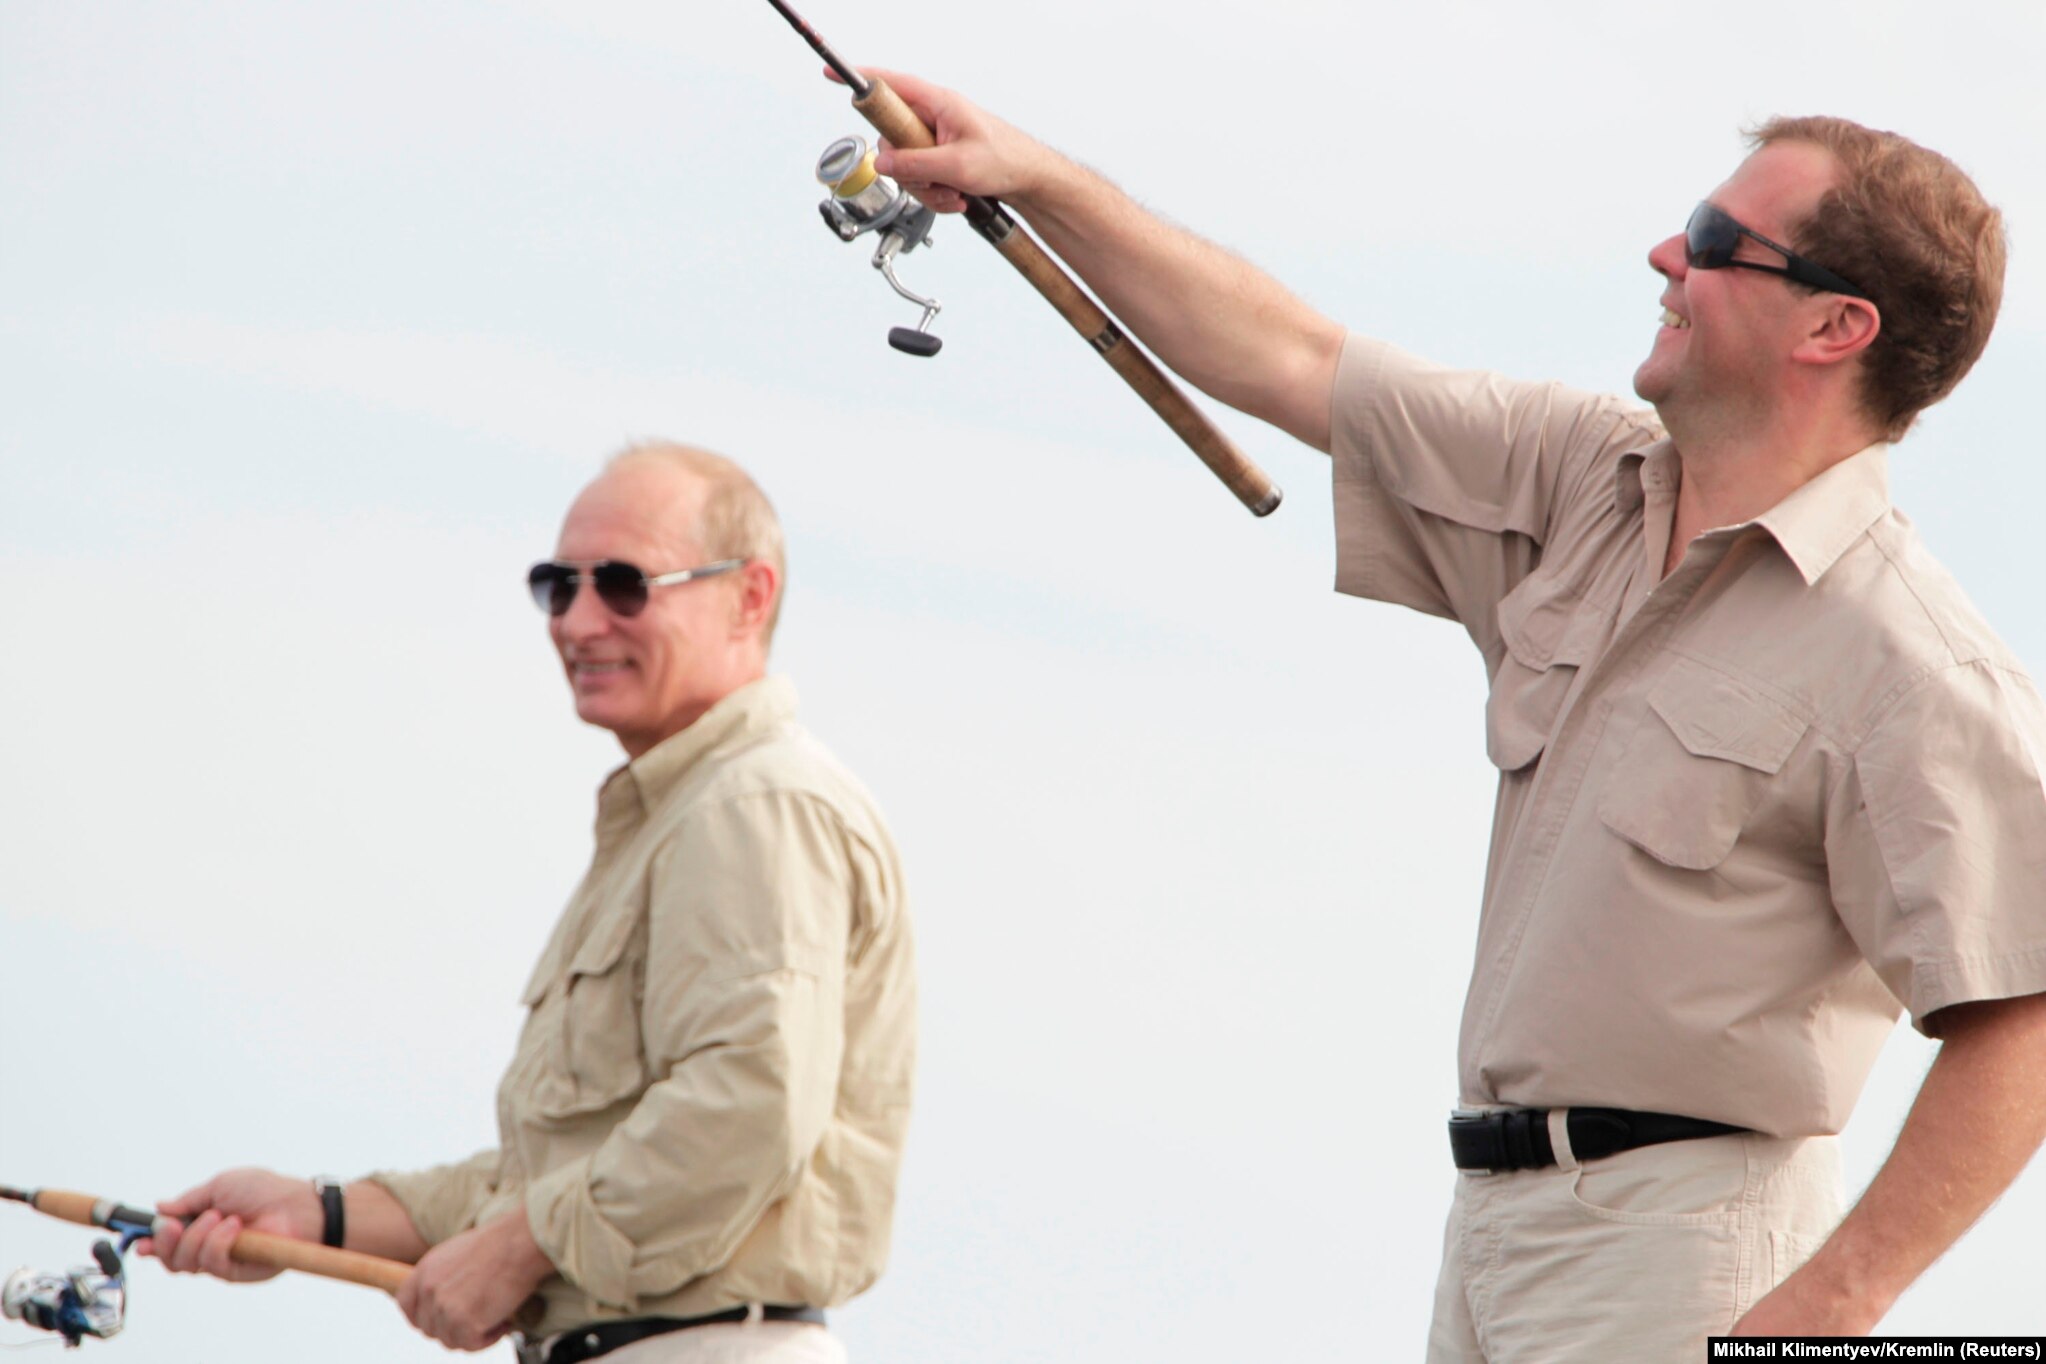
[1549,632]
[583,1033]
[1700,760]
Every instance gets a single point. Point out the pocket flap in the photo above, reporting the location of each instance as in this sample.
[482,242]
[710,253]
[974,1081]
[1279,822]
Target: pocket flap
[1542,625]
[605,945]
[1549,633]
[597,954]
[1698,764]
[1715,715]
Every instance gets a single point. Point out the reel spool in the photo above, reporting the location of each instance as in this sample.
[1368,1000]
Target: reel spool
[862,201]
[91,1301]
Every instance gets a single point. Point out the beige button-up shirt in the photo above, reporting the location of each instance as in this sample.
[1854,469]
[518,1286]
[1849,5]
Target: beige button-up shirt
[1746,811]
[708,1101]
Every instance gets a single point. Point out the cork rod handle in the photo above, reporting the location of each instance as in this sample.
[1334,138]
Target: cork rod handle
[897,122]
[350,1266]
[62,1203]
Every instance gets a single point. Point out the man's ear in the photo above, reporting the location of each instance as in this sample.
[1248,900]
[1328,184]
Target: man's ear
[759,585]
[1843,330]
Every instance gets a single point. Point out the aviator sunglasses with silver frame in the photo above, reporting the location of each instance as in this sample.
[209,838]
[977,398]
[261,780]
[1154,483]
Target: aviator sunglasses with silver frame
[621,586]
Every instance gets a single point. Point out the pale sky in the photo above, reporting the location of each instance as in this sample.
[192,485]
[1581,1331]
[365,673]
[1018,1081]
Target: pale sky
[316,317]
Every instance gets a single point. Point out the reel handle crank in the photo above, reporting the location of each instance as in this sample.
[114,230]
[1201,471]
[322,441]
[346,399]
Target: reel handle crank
[911,341]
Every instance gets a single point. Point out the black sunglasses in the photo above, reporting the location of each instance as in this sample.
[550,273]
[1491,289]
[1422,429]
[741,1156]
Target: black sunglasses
[620,586]
[1712,234]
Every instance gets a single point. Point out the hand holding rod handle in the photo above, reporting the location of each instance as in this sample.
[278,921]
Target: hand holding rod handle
[251,1247]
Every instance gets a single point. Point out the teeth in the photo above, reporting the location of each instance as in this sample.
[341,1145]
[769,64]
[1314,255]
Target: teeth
[1670,319]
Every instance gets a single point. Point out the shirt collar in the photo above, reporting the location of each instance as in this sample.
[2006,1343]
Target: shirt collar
[1813,526]
[743,715]
[1639,469]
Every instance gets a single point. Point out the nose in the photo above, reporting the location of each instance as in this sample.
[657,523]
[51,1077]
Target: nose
[1668,257]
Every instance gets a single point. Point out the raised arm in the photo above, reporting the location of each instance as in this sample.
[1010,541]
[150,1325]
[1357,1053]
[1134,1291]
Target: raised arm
[1230,329]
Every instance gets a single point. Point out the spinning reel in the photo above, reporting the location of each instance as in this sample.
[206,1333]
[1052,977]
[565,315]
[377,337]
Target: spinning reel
[863,200]
[91,1301]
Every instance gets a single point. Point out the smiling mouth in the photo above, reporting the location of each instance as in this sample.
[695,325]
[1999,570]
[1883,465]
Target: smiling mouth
[1670,318]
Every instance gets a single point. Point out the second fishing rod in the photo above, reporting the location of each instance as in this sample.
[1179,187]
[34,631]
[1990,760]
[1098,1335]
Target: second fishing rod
[897,122]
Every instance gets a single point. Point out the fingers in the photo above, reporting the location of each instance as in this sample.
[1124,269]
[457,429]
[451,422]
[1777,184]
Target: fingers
[921,173]
[408,1298]
[178,1246]
[204,1247]
[214,1250]
[473,1338]
[164,1243]
[928,166]
[938,198]
[438,1311]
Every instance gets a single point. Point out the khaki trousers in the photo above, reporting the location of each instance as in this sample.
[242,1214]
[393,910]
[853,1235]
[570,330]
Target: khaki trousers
[1638,1256]
[758,1342]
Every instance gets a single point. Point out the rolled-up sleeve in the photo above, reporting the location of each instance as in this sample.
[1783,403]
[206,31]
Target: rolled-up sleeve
[1937,841]
[1448,482]
[750,907]
[442,1201]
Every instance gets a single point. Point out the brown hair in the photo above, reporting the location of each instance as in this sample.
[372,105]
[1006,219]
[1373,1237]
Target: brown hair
[735,521]
[1910,228]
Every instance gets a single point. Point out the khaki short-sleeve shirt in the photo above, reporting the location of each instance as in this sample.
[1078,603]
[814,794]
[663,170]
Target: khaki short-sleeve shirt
[1746,811]
[708,1101]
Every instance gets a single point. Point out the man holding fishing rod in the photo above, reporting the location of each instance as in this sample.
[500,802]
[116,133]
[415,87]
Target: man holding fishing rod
[1765,777]
[701,1127]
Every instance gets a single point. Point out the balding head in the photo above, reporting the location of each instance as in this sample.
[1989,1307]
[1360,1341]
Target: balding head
[734,519]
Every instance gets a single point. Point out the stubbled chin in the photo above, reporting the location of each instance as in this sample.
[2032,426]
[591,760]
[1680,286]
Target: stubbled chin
[1649,384]
[598,709]
[1656,374]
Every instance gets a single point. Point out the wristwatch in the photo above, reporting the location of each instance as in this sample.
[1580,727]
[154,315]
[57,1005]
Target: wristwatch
[329,1190]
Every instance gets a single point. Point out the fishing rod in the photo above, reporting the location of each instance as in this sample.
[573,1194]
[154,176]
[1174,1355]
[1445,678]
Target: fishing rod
[93,1301]
[865,201]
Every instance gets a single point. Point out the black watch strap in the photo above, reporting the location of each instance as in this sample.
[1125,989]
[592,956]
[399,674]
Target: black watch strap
[336,1229]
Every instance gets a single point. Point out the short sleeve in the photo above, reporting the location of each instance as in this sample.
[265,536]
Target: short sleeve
[1448,483]
[1936,843]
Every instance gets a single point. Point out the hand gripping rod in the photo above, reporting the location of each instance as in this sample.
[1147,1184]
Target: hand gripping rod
[895,121]
[250,1248]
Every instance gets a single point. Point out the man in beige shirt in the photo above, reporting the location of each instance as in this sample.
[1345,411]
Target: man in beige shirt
[700,1130]
[1766,779]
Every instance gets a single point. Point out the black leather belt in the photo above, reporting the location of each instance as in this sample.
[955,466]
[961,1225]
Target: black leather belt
[587,1342]
[1518,1138]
